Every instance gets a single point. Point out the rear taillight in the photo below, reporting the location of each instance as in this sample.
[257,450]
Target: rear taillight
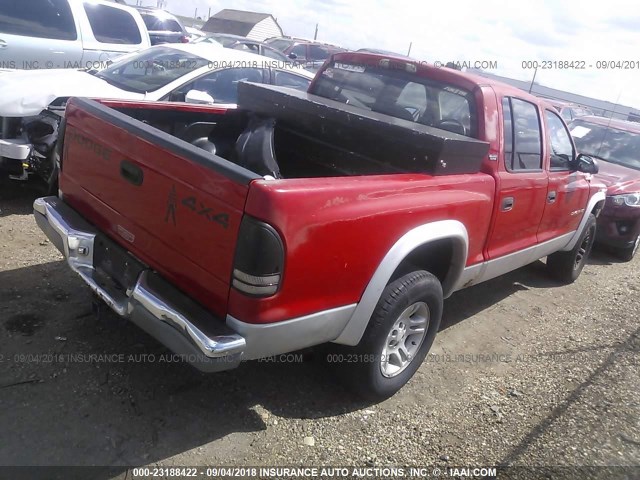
[258,264]
[184,39]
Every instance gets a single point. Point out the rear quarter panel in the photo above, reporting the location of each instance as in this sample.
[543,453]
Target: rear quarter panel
[336,231]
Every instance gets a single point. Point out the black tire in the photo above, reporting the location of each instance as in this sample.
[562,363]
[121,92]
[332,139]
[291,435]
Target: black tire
[52,179]
[361,367]
[567,266]
[627,254]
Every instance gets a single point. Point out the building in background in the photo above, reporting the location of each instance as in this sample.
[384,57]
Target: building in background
[599,107]
[256,26]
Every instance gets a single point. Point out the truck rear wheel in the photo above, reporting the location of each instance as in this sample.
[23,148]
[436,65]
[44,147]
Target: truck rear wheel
[567,266]
[397,339]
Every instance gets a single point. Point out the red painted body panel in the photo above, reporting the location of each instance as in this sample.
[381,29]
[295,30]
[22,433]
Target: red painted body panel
[531,220]
[517,229]
[194,253]
[336,231]
[174,106]
[564,214]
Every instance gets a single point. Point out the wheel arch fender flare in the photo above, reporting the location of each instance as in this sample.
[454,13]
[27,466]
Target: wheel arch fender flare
[409,242]
[596,198]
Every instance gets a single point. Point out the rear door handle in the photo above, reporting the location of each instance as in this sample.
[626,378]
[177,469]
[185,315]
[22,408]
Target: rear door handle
[507,204]
[551,197]
[131,173]
[3,44]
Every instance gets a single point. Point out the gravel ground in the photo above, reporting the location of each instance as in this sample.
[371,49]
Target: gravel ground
[523,372]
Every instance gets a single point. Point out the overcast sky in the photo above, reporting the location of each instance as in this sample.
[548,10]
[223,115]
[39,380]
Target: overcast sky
[469,30]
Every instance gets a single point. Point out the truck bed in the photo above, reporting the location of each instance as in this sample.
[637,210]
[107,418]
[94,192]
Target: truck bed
[135,173]
[307,136]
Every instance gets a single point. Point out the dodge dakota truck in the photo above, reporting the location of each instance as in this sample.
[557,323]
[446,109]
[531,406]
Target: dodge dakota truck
[342,216]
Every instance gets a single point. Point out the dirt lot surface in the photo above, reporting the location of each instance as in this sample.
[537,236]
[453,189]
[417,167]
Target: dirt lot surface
[524,371]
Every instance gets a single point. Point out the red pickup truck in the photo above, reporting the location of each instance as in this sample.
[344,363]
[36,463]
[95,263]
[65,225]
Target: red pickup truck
[341,216]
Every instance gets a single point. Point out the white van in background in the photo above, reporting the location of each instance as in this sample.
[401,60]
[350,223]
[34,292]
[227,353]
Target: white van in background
[37,34]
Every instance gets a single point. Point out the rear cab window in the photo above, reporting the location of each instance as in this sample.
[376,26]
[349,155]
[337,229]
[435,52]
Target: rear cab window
[38,18]
[401,94]
[112,25]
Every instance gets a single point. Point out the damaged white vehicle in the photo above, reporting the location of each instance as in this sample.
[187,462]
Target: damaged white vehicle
[33,102]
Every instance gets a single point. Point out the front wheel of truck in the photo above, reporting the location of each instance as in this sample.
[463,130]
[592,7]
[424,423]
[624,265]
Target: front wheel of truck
[567,266]
[397,339]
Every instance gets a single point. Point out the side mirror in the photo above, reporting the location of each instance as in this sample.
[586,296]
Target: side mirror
[197,96]
[292,56]
[586,164]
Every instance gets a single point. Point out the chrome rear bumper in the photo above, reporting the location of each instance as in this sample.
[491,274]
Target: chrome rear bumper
[152,303]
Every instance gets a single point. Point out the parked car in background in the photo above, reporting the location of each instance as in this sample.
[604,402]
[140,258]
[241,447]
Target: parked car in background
[382,52]
[569,111]
[162,26]
[194,33]
[38,34]
[244,44]
[32,103]
[308,52]
[617,144]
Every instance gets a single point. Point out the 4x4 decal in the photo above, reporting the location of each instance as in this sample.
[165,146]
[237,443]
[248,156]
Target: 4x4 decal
[194,205]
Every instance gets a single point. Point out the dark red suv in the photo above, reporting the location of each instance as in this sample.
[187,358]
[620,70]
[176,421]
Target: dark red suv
[309,53]
[616,143]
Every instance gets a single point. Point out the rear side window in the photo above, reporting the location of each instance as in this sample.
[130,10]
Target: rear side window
[157,24]
[580,112]
[527,138]
[222,85]
[300,50]
[272,53]
[112,25]
[507,126]
[38,18]
[318,52]
[248,47]
[280,44]
[285,79]
[566,114]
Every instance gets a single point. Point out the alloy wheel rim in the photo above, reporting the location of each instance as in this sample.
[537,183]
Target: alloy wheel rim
[404,339]
[583,250]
